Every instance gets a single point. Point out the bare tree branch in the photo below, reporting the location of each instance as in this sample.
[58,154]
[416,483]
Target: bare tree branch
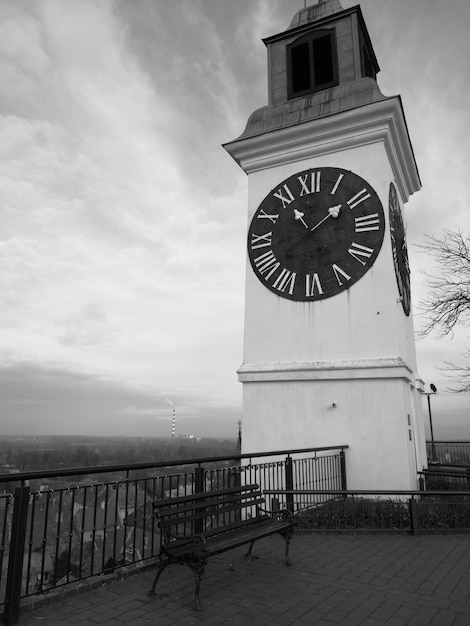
[449,301]
[459,375]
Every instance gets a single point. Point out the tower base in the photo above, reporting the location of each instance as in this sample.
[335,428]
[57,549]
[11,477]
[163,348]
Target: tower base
[370,405]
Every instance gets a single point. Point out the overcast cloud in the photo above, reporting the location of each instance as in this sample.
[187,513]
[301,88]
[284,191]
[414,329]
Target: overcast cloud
[122,230]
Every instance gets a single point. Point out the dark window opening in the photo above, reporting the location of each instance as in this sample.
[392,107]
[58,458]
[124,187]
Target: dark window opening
[312,63]
[300,58]
[322,60]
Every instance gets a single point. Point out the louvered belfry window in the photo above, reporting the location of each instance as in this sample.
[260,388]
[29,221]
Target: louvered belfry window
[312,63]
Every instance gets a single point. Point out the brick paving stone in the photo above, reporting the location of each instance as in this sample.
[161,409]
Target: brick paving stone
[394,621]
[285,619]
[386,610]
[336,615]
[460,596]
[236,620]
[405,612]
[163,620]
[439,603]
[359,615]
[444,618]
[461,620]
[423,617]
[352,603]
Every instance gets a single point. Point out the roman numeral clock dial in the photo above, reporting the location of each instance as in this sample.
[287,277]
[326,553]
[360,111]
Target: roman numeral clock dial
[316,234]
[399,249]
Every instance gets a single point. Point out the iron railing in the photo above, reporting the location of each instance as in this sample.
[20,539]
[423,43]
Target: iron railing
[451,477]
[449,452]
[378,511]
[60,527]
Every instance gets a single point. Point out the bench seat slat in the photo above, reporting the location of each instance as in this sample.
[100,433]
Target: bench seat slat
[226,527]
[222,542]
[207,504]
[238,524]
[175,519]
[213,494]
[226,540]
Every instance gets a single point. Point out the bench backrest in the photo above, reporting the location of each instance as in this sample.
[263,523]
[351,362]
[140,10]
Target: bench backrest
[209,511]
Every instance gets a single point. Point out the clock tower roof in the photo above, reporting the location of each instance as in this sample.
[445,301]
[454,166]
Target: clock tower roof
[323,64]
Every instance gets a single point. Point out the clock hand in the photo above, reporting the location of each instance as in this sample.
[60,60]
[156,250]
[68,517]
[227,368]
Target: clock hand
[300,217]
[332,212]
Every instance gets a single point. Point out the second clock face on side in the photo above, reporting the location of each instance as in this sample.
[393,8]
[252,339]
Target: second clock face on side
[399,249]
[316,234]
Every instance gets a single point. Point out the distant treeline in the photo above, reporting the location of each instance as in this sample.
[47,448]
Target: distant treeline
[55,452]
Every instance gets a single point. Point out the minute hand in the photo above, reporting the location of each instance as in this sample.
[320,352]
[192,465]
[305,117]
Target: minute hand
[332,212]
[320,222]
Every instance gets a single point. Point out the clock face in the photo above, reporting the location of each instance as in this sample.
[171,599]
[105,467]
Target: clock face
[316,234]
[399,250]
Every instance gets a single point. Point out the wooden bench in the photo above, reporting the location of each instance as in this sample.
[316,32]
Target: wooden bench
[196,527]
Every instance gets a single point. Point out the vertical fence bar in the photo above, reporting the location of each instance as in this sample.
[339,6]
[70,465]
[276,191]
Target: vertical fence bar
[93,530]
[105,527]
[82,534]
[15,562]
[29,542]
[414,519]
[126,517]
[289,483]
[199,480]
[42,578]
[7,499]
[342,460]
[57,537]
[199,473]
[70,533]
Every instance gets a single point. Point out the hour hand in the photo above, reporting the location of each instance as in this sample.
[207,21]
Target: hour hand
[299,217]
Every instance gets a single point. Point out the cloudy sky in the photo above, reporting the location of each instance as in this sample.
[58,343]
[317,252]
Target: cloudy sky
[122,230]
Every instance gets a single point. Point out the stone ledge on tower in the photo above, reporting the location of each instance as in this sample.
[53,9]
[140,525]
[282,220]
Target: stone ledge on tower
[320,104]
[378,368]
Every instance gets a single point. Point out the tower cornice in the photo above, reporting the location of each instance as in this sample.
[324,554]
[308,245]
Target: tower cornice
[382,121]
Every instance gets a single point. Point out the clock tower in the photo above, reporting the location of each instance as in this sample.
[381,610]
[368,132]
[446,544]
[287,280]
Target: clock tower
[329,351]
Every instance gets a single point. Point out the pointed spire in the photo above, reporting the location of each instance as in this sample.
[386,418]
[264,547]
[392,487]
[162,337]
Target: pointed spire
[315,12]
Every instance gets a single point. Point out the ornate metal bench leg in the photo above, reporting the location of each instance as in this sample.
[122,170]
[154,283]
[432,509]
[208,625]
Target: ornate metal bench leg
[198,570]
[248,554]
[155,580]
[287,535]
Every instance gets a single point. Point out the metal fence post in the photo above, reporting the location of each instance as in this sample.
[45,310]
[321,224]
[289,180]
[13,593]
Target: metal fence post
[342,461]
[15,561]
[199,487]
[289,483]
[199,480]
[414,518]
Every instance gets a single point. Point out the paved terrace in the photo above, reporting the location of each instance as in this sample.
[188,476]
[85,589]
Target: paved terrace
[394,580]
